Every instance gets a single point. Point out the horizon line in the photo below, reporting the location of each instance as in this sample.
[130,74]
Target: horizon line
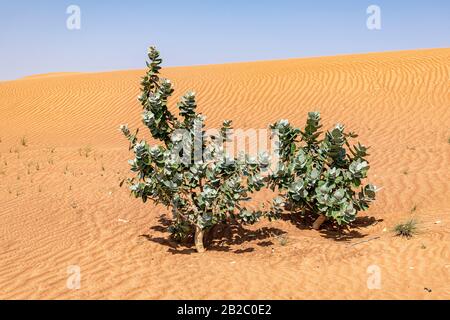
[68,73]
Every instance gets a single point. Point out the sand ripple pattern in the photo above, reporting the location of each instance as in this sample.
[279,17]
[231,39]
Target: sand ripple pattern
[61,204]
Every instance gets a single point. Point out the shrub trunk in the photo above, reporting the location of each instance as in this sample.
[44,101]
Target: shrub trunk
[321,219]
[199,233]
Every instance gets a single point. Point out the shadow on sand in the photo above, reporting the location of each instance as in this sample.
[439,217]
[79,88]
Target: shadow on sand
[222,236]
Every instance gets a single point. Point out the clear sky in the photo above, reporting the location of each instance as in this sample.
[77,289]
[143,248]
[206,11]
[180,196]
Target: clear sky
[114,34]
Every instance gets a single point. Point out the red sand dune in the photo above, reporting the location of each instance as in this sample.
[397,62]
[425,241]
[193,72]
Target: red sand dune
[61,204]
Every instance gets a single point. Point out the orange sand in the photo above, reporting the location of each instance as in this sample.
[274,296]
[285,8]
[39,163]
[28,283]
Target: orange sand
[61,207]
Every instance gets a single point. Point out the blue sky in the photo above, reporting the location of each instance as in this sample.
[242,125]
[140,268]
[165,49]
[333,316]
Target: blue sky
[114,34]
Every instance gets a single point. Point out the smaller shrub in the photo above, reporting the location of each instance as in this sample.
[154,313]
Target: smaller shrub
[321,175]
[406,229]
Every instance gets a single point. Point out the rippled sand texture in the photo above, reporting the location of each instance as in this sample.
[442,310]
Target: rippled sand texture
[61,204]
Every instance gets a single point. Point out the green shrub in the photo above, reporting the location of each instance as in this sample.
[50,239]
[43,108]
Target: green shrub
[406,229]
[201,189]
[320,176]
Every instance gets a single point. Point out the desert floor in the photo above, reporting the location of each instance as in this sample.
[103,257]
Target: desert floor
[61,204]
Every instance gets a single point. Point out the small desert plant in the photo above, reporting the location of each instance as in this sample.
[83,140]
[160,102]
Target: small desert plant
[86,151]
[201,191]
[24,141]
[318,176]
[406,229]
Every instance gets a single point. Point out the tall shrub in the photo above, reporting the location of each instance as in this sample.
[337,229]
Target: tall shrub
[189,171]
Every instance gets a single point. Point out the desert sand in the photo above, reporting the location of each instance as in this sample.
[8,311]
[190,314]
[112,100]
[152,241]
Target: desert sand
[62,158]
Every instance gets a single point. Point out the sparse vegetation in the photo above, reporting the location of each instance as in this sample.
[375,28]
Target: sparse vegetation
[407,229]
[86,151]
[24,141]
